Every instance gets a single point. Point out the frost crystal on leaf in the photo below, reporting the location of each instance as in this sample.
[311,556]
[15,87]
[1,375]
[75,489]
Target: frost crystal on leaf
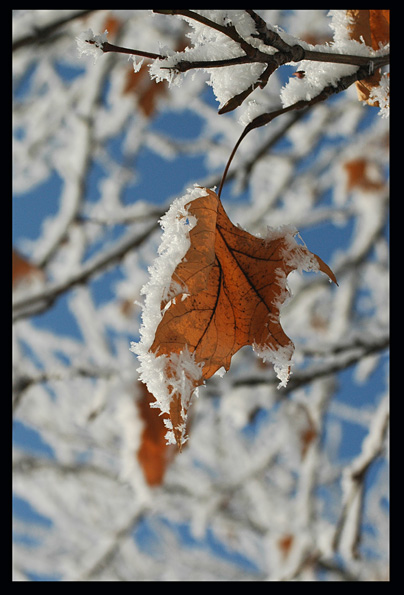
[176,225]
[280,358]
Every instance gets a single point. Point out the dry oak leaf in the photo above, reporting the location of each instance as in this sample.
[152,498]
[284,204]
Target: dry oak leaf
[230,286]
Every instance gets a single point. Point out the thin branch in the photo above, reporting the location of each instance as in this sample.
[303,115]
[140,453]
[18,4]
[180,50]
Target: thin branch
[372,63]
[273,39]
[266,35]
[286,52]
[23,382]
[279,59]
[228,30]
[110,47]
[338,361]
[256,123]
[238,99]
[185,65]
[112,545]
[42,300]
[43,34]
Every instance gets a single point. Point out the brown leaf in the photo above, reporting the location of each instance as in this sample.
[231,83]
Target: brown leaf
[379,27]
[285,544]
[232,287]
[112,24]
[146,91]
[23,270]
[307,436]
[153,454]
[359,175]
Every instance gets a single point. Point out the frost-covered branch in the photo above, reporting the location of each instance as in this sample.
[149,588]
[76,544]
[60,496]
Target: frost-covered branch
[112,545]
[340,358]
[348,529]
[227,29]
[44,34]
[273,61]
[42,299]
[22,383]
[259,45]
[262,120]
[286,52]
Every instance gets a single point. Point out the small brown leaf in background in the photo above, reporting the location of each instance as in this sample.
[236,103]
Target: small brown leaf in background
[112,24]
[359,175]
[285,544]
[306,438]
[23,270]
[146,91]
[153,454]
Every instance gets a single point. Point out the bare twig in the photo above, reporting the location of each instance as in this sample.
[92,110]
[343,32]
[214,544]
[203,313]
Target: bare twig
[110,47]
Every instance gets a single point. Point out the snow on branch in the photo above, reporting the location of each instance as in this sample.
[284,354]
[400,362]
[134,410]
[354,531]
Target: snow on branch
[348,529]
[250,51]
[250,41]
[92,45]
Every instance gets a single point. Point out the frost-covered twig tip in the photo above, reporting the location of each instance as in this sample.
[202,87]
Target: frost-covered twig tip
[90,44]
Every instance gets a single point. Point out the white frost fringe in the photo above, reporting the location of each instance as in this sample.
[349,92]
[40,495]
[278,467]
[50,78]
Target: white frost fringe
[175,242]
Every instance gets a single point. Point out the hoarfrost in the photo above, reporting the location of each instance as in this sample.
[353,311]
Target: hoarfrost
[280,358]
[381,95]
[295,255]
[318,75]
[89,44]
[210,45]
[182,368]
[176,225]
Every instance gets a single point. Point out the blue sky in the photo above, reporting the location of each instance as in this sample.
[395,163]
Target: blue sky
[31,208]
